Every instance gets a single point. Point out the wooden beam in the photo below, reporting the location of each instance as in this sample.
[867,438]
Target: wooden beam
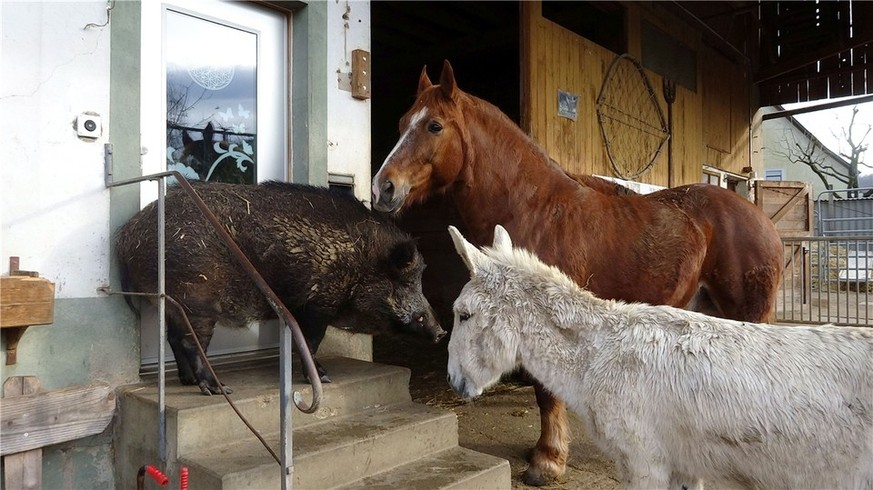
[22,470]
[833,49]
[790,204]
[818,107]
[37,420]
[26,301]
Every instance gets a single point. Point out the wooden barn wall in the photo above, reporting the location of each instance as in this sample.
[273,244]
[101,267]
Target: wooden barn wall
[710,125]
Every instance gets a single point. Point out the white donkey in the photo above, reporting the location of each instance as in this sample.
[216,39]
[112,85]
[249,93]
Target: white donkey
[674,397]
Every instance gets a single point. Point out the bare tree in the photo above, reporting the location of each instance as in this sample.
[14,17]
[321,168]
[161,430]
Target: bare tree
[856,149]
[811,152]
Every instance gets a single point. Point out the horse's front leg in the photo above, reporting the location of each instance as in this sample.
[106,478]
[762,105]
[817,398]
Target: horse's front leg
[548,460]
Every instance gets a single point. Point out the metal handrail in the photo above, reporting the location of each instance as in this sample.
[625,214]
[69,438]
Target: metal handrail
[275,303]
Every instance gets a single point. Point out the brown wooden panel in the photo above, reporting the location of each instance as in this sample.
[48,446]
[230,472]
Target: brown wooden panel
[39,420]
[717,82]
[788,204]
[22,470]
[25,301]
[555,58]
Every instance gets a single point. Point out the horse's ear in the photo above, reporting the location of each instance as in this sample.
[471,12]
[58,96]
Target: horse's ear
[501,239]
[471,255]
[447,81]
[423,81]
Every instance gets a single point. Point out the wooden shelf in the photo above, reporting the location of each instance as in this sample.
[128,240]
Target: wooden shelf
[24,301]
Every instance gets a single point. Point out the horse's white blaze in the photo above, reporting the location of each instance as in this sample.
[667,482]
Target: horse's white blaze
[413,122]
[672,396]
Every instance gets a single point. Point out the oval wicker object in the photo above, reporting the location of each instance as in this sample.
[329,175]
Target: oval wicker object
[631,121]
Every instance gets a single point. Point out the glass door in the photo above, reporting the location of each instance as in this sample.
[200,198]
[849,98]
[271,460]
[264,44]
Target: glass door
[214,104]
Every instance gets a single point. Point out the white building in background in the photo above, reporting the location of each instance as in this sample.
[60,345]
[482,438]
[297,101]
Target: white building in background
[778,135]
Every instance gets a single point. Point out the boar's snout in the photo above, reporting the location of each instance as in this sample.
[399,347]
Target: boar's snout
[425,323]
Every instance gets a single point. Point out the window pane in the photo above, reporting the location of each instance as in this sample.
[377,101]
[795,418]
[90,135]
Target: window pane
[773,174]
[211,99]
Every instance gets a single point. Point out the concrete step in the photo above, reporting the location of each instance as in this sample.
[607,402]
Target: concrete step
[457,468]
[336,452]
[196,421]
[367,433]
[357,385]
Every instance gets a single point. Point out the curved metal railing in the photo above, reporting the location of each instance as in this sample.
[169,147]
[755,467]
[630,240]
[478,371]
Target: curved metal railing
[276,304]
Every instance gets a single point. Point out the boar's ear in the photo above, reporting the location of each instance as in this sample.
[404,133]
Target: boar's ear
[402,254]
[471,255]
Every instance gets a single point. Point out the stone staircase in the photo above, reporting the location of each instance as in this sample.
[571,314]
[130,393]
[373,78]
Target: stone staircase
[366,434]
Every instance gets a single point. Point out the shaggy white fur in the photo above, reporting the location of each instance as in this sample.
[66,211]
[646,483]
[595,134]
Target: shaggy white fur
[674,397]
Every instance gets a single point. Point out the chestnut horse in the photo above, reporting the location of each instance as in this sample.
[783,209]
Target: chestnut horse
[695,246]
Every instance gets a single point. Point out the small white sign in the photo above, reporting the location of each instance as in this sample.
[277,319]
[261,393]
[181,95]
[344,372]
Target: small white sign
[568,105]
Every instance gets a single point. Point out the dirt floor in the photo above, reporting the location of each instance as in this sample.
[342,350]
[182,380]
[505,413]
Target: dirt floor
[504,422]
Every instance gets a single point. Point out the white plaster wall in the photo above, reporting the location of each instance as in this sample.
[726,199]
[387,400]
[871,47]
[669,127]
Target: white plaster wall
[54,208]
[348,131]
[775,135]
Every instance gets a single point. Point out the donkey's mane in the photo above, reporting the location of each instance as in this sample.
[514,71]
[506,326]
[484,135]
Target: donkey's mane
[525,263]
[574,306]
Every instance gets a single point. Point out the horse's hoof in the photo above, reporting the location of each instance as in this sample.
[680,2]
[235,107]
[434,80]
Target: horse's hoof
[528,455]
[535,477]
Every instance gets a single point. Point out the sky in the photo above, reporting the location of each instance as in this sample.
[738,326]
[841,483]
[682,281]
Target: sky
[828,126]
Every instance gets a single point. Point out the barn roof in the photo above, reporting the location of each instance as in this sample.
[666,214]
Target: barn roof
[796,51]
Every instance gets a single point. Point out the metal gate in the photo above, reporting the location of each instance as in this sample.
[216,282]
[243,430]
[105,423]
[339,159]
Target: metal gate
[827,280]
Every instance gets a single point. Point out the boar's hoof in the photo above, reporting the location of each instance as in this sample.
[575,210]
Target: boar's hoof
[207,389]
[322,374]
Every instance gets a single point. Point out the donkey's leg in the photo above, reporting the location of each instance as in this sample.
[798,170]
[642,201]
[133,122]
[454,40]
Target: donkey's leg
[679,481]
[651,478]
[548,460]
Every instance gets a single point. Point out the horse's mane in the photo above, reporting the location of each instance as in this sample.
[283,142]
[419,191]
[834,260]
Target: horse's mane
[495,115]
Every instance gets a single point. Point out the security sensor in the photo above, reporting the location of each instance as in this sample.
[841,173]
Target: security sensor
[89,126]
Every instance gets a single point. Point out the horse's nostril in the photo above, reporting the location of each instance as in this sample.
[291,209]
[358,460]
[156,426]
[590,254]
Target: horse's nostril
[388,187]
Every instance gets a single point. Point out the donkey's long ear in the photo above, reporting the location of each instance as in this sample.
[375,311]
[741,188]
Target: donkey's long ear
[471,255]
[447,81]
[501,239]
[423,81]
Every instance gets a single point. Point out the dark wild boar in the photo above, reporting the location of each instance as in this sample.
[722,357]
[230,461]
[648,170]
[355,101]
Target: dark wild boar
[327,257]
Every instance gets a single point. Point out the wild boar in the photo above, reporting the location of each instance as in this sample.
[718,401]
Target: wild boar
[327,257]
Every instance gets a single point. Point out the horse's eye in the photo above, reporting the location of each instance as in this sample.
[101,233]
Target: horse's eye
[464,316]
[434,127]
